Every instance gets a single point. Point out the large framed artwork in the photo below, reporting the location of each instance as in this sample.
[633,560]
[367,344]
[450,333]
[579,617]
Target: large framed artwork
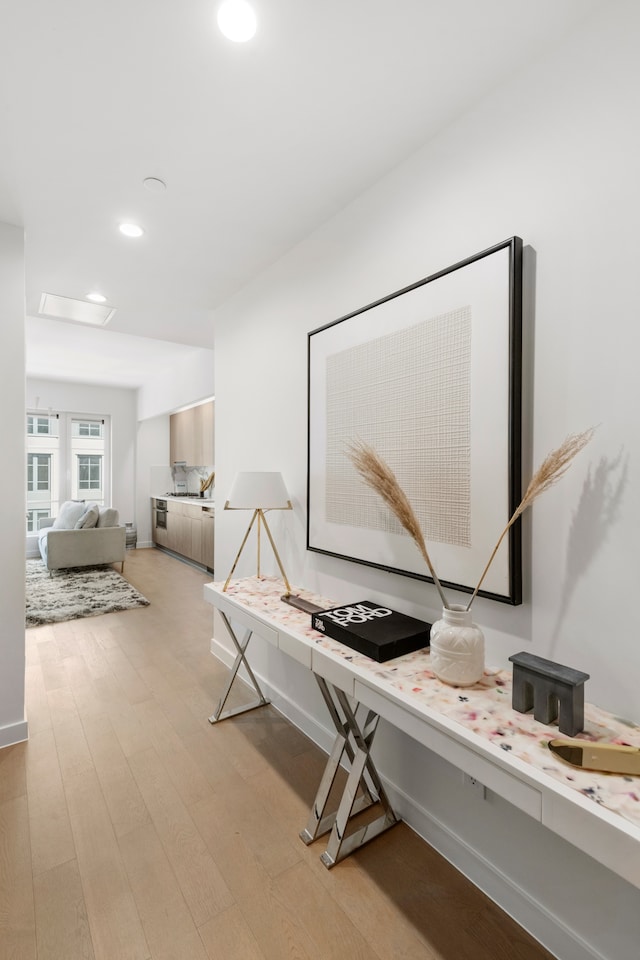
[431,377]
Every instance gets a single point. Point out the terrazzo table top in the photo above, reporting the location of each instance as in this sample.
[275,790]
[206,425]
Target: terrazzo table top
[483,709]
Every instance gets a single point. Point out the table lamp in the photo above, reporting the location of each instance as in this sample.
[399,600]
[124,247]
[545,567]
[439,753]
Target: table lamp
[258,491]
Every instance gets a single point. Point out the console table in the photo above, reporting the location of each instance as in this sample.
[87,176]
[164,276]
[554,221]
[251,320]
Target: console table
[473,728]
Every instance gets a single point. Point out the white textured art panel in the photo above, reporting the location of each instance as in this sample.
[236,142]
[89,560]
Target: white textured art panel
[408,394]
[430,377]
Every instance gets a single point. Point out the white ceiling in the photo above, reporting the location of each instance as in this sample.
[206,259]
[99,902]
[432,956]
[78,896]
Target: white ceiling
[258,143]
[81,354]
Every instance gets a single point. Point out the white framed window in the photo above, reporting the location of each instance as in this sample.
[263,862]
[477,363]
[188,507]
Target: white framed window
[87,428]
[68,458]
[42,426]
[39,472]
[89,467]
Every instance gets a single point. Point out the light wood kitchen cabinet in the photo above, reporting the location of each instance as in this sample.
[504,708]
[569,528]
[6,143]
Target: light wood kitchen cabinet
[190,532]
[208,536]
[203,434]
[195,538]
[181,436]
[191,435]
[179,534]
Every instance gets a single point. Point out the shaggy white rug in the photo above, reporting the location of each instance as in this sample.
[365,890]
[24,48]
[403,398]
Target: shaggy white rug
[75,593]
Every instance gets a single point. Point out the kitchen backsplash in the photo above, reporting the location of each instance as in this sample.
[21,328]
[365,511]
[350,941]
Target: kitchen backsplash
[181,479]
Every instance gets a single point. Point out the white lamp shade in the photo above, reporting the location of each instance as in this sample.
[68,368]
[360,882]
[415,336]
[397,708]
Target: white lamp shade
[258,490]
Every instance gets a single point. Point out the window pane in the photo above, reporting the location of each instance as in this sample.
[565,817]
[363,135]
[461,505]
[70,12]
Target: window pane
[41,426]
[38,471]
[89,473]
[86,428]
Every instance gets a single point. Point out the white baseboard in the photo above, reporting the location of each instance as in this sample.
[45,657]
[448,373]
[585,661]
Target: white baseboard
[14,733]
[563,942]
[546,927]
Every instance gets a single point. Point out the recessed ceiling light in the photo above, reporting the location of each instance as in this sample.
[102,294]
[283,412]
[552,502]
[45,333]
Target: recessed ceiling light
[154,184]
[237,20]
[131,230]
[96,297]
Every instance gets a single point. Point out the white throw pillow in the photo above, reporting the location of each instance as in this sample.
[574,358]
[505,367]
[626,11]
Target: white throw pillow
[109,517]
[89,518]
[69,514]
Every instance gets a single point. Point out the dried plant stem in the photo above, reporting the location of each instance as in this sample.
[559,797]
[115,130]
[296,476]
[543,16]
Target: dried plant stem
[554,466]
[379,476]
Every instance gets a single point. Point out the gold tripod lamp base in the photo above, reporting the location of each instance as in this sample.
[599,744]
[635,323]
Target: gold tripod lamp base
[258,491]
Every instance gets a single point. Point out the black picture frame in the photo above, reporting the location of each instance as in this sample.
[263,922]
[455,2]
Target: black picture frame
[431,376]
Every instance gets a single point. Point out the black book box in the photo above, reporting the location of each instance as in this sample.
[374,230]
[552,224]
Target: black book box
[373,629]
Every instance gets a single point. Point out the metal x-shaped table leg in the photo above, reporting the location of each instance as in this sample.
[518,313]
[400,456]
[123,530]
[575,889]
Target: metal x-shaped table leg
[241,658]
[362,789]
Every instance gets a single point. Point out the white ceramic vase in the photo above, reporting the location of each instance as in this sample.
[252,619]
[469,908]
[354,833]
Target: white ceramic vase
[457,648]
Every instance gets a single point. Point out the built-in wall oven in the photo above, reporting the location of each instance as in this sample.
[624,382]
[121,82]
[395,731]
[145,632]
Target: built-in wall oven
[161,514]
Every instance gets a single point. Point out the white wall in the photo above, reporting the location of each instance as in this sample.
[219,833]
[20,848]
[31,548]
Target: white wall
[552,156]
[153,451]
[13,726]
[140,424]
[120,404]
[187,379]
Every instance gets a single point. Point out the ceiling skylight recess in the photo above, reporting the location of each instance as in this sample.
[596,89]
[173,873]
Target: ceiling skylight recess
[75,311]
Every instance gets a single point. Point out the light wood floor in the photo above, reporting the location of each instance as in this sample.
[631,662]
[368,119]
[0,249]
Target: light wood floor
[131,828]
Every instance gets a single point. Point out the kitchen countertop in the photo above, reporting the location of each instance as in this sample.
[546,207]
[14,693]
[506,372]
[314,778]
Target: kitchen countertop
[194,501]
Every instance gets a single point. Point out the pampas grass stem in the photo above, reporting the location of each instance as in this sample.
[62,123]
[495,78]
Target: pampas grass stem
[379,476]
[554,466]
